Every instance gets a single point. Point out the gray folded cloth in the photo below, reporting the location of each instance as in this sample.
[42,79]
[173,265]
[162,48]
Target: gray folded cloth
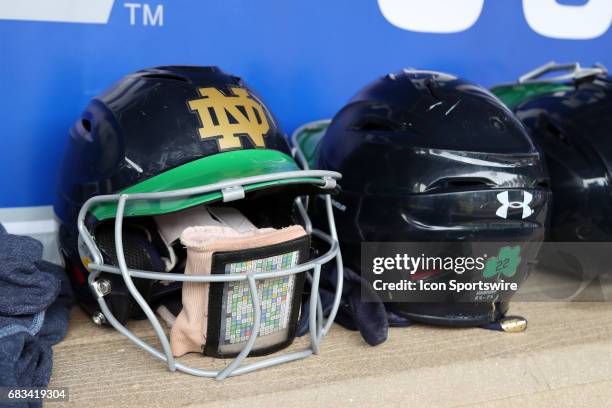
[35,300]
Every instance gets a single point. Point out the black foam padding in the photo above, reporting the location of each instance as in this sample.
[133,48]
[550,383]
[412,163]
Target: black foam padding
[140,254]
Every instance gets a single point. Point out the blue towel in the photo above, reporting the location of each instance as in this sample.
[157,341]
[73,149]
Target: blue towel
[35,300]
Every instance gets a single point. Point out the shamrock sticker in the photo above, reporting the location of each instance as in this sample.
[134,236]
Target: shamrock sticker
[505,263]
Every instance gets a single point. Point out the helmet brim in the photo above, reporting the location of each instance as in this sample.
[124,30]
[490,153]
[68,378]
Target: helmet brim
[208,170]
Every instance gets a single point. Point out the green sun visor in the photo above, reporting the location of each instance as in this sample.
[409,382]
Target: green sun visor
[308,138]
[514,94]
[208,170]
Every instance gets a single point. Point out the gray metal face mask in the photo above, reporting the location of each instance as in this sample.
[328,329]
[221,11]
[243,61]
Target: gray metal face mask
[230,190]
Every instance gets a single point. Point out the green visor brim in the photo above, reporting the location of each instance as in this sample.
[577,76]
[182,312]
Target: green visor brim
[514,94]
[208,170]
[308,138]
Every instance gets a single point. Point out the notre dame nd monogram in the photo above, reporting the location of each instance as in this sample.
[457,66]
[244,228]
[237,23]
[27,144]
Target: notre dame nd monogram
[225,117]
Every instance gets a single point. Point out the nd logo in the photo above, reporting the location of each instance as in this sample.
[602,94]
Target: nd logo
[225,117]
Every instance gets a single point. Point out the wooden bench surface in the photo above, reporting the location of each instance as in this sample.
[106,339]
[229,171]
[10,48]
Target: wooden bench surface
[563,359]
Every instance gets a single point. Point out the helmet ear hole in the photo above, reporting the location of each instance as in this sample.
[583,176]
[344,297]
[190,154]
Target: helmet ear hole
[460,183]
[376,127]
[86,124]
[168,76]
[543,183]
[376,124]
[552,130]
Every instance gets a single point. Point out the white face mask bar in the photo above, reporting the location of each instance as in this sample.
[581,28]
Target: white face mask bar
[572,72]
[231,190]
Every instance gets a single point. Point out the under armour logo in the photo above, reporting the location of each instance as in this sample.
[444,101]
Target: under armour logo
[225,117]
[502,211]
